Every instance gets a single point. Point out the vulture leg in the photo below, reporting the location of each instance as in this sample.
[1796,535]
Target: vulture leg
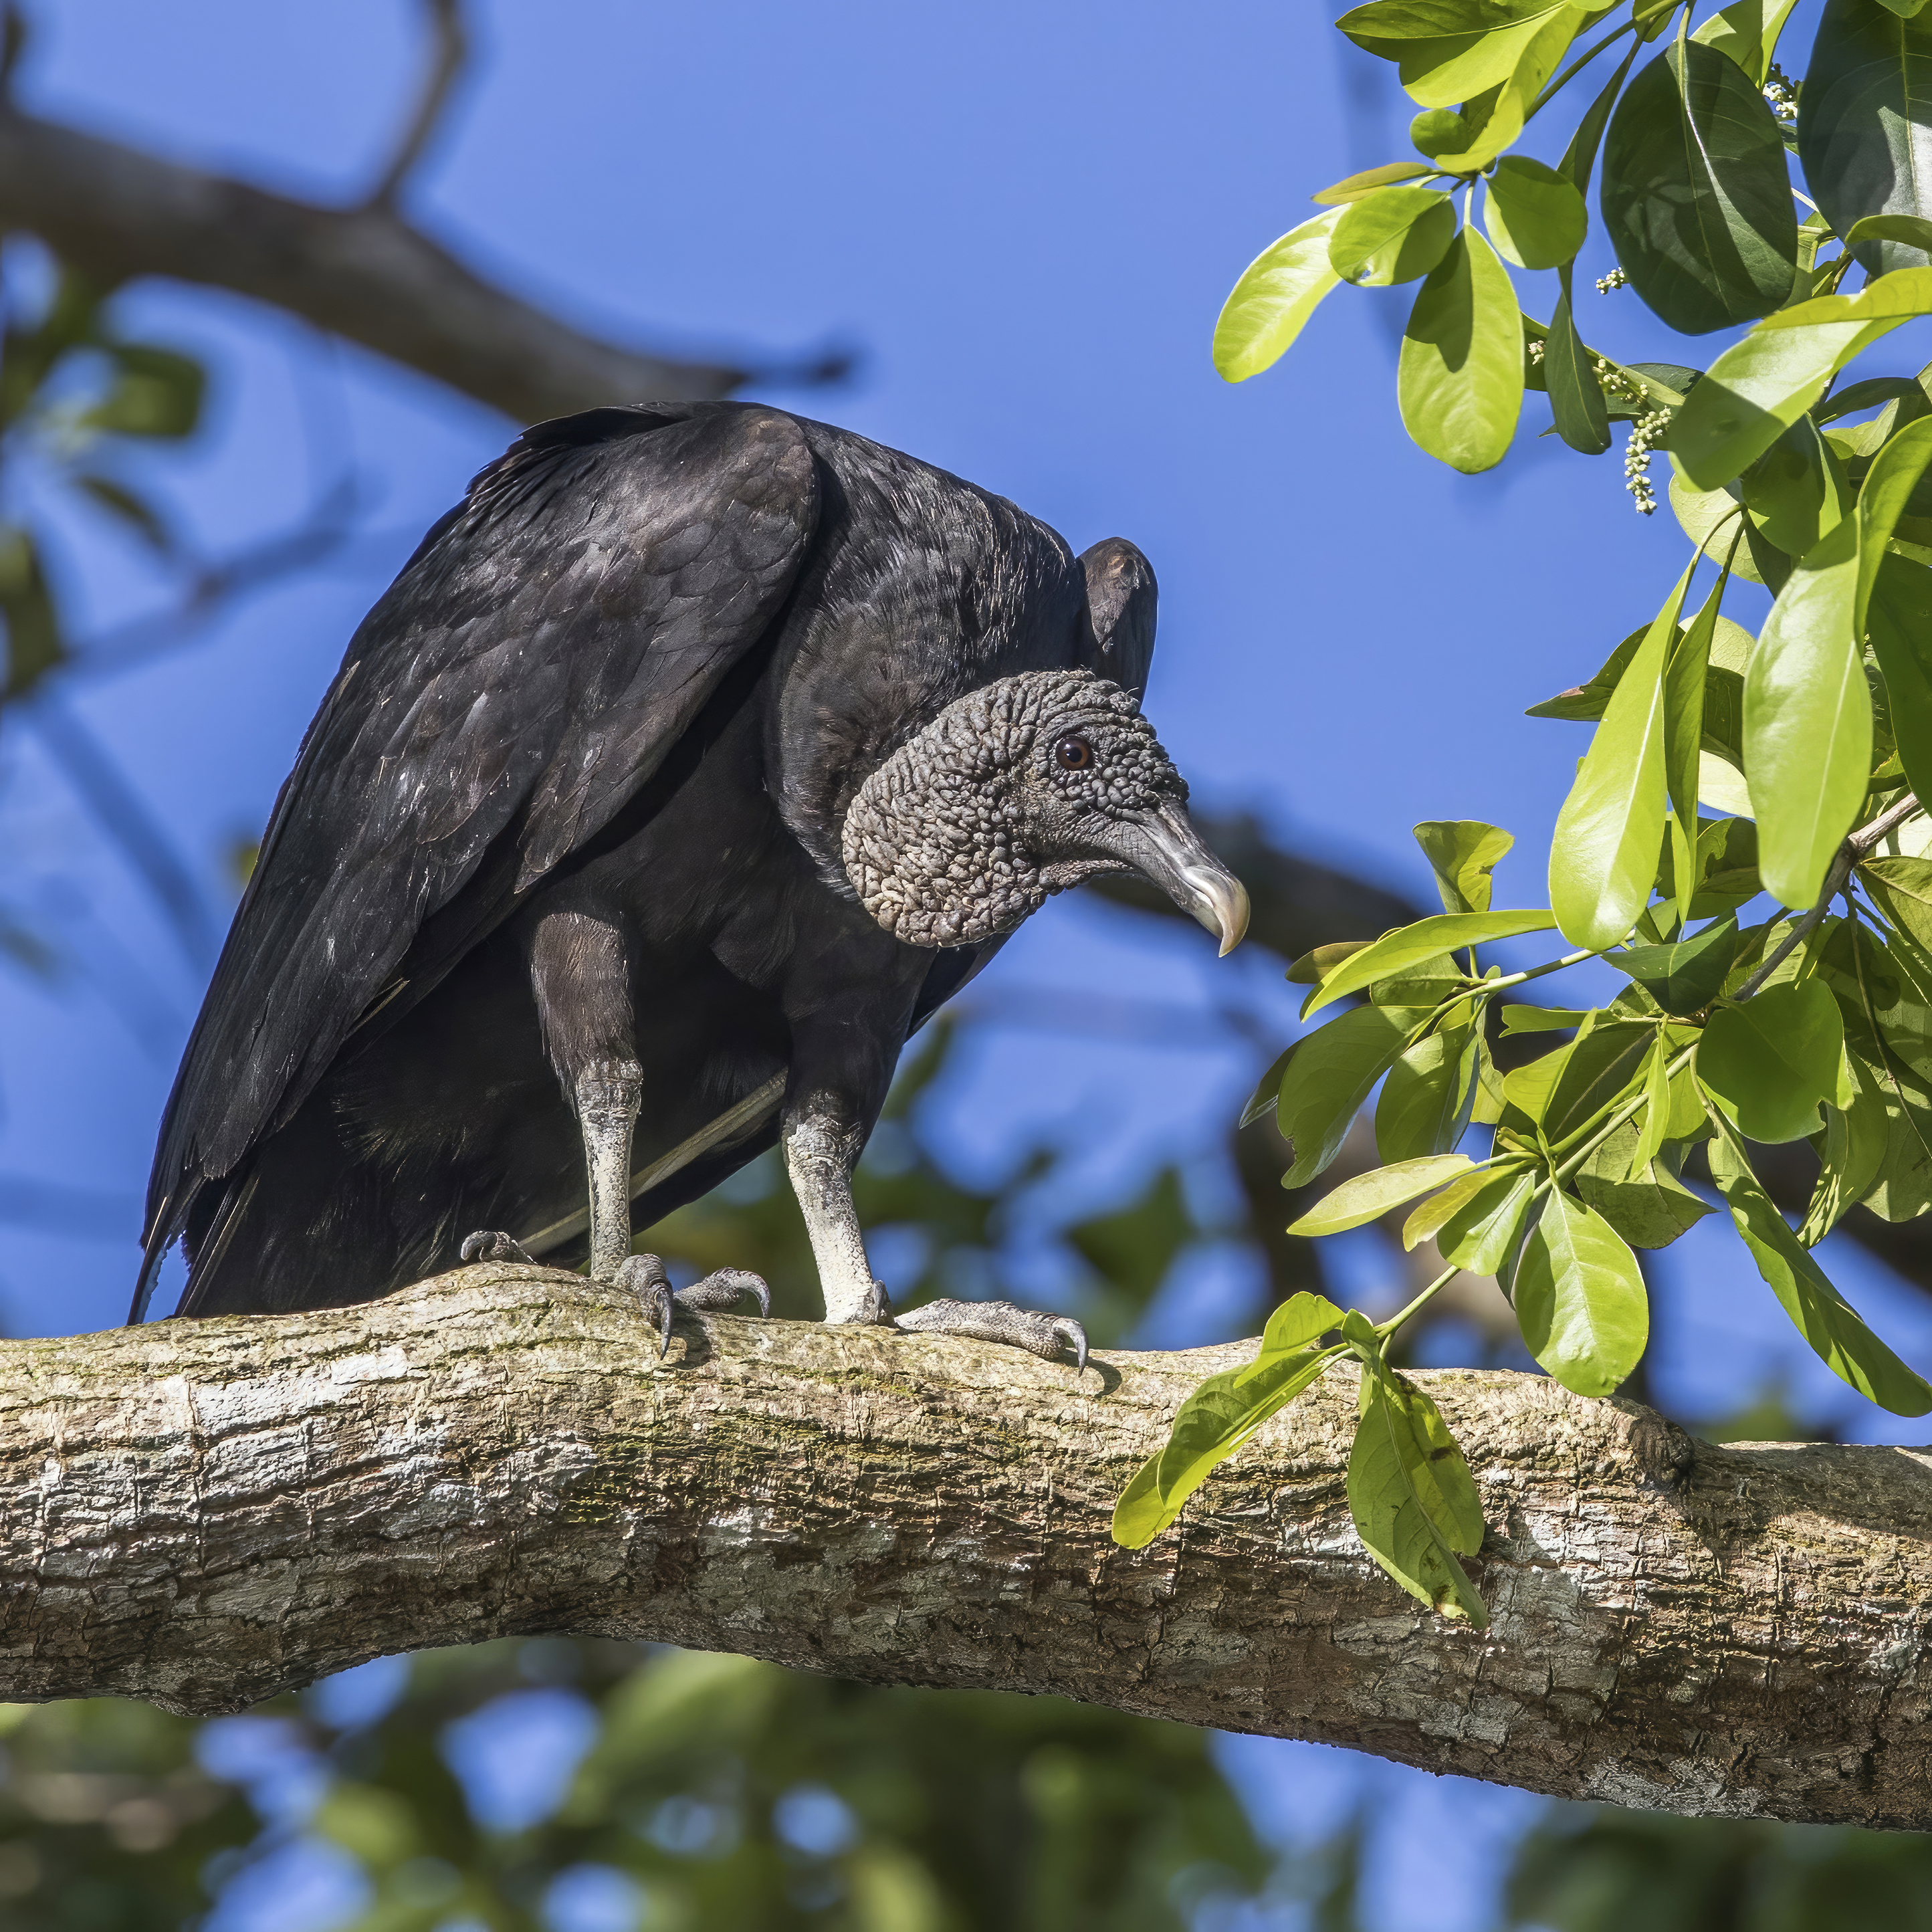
[823,1136]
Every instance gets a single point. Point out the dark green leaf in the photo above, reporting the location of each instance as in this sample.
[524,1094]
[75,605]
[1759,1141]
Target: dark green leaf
[1580,157]
[1580,1298]
[1685,978]
[1330,1073]
[1883,499]
[1602,860]
[1792,491]
[1823,1317]
[1865,125]
[1316,965]
[134,510]
[1772,1062]
[1368,1196]
[1808,721]
[1414,1501]
[1696,192]
[1463,853]
[1597,1071]
[1276,294]
[1425,1103]
[1459,379]
[1898,621]
[1857,1140]
[1393,235]
[1913,230]
[1903,890]
[1426,939]
[1576,396]
[1482,1229]
[1267,1090]
[1534,216]
[1649,1210]
[1868,394]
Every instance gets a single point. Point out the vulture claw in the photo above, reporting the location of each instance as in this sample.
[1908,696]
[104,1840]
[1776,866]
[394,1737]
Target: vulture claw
[643,1275]
[1039,1334]
[721,1292]
[489,1244]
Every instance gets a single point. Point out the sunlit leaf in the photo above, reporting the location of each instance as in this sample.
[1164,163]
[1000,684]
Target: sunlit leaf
[1367,1196]
[1460,376]
[1463,853]
[1276,294]
[1772,1062]
[1580,1298]
[1426,939]
[1393,235]
[1833,1328]
[1685,977]
[1748,31]
[1413,1499]
[1329,1075]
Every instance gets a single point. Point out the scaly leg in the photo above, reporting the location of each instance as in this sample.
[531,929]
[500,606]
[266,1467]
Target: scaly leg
[821,1148]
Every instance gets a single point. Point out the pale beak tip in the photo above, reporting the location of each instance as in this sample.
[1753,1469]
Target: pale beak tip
[1236,929]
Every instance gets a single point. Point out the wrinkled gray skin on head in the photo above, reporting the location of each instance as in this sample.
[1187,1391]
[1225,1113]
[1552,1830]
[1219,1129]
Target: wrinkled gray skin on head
[970,825]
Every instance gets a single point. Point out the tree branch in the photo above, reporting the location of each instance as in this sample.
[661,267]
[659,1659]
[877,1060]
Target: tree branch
[363,273]
[201,1513]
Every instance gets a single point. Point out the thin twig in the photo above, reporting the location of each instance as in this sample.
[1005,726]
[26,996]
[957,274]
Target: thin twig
[449,55]
[1854,848]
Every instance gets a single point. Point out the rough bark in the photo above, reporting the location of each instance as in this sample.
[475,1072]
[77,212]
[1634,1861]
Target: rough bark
[363,273]
[203,1514]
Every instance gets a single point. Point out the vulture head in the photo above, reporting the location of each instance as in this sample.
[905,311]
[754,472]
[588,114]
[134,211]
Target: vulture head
[1016,792]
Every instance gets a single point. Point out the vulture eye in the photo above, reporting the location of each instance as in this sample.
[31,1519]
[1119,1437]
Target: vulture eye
[1074,753]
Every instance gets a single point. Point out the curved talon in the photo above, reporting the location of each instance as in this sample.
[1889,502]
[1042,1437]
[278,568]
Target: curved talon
[721,1291]
[491,1244]
[1066,1329]
[643,1275]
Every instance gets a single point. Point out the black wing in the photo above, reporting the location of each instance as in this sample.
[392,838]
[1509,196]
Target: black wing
[531,667]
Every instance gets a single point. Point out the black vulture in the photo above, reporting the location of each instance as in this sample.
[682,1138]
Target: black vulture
[690,764]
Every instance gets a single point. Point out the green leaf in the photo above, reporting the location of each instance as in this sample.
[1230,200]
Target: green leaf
[33,635]
[1808,721]
[1425,1103]
[1652,1127]
[1585,703]
[1441,67]
[1576,396]
[1413,1499]
[156,392]
[1534,216]
[1772,1062]
[1755,390]
[1603,857]
[1299,1323]
[1882,499]
[1792,491]
[1580,1298]
[1354,187]
[1901,296]
[1480,1231]
[1580,157]
[1649,1209]
[1426,939]
[1598,1070]
[1696,193]
[1463,853]
[1358,1201]
[1315,965]
[1713,520]
[1857,1139]
[1542,1019]
[1210,1426]
[1393,235]
[1903,890]
[1748,31]
[1865,125]
[1898,621]
[1914,230]
[1824,1319]
[1685,678]
[1685,978]
[1267,1090]
[1330,1073]
[1459,378]
[1276,294]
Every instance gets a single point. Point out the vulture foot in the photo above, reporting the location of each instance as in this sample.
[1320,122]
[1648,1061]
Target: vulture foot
[643,1275]
[487,1244]
[1001,1322]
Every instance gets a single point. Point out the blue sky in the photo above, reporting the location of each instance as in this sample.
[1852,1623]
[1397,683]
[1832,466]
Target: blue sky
[1024,218]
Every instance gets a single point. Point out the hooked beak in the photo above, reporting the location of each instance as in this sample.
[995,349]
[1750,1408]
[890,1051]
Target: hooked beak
[1165,848]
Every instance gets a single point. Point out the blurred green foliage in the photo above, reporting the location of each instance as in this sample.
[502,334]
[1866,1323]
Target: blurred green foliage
[730,1793]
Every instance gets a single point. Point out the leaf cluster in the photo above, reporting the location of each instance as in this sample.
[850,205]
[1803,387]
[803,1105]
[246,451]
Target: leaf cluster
[1811,741]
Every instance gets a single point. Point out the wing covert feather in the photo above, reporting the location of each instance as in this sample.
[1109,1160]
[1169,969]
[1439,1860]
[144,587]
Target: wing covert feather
[531,667]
